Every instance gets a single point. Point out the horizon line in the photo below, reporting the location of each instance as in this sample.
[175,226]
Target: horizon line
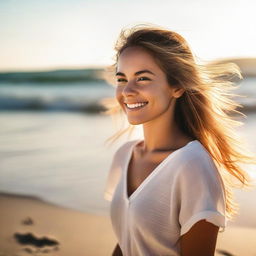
[95,66]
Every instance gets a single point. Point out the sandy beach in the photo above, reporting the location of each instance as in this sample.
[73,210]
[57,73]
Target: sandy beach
[30,226]
[46,229]
[74,219]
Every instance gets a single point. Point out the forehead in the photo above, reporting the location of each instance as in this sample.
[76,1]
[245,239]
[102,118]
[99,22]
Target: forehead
[135,58]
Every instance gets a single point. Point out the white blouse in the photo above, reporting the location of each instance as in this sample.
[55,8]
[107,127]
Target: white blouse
[184,188]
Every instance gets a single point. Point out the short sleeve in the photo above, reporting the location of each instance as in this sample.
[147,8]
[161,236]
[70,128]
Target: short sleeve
[200,194]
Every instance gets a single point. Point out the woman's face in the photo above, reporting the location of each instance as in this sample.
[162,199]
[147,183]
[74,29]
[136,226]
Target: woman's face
[140,80]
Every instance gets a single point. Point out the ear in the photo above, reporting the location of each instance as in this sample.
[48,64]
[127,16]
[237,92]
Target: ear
[177,92]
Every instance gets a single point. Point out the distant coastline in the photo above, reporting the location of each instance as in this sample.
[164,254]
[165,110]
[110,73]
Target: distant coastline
[54,76]
[247,66]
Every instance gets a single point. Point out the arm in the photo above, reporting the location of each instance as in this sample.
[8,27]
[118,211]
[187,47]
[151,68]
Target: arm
[200,240]
[117,251]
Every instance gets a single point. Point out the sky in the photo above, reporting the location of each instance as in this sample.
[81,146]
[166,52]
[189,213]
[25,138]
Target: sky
[51,34]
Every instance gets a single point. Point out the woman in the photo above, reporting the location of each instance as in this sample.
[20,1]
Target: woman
[170,192]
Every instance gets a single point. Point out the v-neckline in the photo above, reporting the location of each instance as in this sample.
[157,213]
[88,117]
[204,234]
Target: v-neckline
[146,180]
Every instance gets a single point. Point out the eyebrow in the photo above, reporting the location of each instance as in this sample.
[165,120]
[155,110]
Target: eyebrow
[137,73]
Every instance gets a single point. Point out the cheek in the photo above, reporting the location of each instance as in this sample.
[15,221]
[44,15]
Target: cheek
[118,94]
[159,98]
[153,93]
[119,98]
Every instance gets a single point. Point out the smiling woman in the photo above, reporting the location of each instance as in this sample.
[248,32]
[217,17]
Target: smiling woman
[171,192]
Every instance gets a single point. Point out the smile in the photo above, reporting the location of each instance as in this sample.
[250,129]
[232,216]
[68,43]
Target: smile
[136,106]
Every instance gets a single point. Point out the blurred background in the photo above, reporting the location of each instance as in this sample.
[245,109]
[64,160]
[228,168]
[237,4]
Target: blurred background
[52,59]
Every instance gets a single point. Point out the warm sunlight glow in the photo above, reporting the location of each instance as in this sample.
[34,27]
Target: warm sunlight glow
[50,34]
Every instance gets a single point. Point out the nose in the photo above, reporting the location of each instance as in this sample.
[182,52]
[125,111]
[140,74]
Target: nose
[129,89]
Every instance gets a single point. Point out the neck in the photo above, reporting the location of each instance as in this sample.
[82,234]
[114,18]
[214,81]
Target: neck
[162,134]
[161,138]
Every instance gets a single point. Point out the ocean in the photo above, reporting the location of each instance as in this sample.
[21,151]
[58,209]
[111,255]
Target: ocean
[52,141]
[83,96]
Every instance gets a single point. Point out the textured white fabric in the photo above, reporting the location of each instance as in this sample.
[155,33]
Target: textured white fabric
[183,189]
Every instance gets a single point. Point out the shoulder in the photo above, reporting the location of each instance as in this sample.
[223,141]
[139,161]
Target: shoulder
[197,163]
[124,148]
[197,154]
[198,178]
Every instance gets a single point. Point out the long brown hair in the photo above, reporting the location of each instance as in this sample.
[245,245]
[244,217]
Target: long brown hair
[205,111]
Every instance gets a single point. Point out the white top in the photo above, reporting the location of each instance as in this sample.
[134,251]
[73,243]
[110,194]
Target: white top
[183,189]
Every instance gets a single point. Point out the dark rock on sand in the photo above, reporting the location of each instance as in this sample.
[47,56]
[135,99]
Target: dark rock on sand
[30,239]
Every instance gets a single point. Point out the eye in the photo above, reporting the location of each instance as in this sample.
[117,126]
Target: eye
[119,80]
[143,78]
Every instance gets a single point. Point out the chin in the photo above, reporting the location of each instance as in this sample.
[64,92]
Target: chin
[135,122]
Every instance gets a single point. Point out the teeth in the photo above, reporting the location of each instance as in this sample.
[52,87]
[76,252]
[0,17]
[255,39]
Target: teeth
[136,105]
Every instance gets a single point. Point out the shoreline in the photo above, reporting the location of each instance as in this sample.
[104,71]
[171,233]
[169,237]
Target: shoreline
[47,229]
